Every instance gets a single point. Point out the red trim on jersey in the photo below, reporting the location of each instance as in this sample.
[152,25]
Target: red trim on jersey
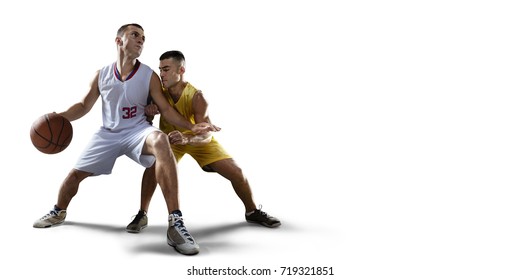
[118,75]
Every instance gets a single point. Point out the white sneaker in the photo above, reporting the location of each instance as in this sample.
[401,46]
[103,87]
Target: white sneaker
[178,236]
[51,219]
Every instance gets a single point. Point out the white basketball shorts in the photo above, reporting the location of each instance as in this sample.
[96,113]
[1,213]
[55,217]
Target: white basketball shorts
[106,146]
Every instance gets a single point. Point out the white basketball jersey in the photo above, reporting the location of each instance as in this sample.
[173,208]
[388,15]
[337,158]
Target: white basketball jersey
[123,102]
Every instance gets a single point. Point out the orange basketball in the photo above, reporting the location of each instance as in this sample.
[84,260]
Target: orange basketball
[51,133]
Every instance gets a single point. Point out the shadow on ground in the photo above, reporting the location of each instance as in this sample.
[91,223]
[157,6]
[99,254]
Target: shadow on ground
[154,237]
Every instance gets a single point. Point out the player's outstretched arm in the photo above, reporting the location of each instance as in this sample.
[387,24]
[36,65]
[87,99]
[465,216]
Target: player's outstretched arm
[179,138]
[171,115]
[81,108]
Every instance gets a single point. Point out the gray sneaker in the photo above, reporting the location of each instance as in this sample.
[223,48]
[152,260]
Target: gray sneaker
[140,221]
[51,219]
[178,236]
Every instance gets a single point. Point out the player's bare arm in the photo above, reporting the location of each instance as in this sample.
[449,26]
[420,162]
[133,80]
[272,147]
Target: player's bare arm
[200,108]
[171,115]
[177,138]
[164,107]
[200,112]
[81,108]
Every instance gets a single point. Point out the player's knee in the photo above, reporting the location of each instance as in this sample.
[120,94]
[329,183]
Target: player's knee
[76,176]
[159,140]
[238,176]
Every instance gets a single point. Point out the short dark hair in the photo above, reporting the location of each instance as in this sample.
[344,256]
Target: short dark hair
[122,29]
[176,55]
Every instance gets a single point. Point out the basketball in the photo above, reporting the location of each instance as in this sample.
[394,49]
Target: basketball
[51,133]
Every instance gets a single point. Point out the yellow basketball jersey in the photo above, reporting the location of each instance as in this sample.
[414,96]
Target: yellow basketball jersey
[203,154]
[183,106]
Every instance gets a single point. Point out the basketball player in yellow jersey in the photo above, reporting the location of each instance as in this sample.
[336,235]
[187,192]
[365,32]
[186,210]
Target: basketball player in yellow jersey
[208,153]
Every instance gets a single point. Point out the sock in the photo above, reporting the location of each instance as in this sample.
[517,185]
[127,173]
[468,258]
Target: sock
[249,213]
[177,213]
[57,209]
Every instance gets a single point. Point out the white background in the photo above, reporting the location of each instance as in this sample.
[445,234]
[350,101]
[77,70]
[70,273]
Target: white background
[384,135]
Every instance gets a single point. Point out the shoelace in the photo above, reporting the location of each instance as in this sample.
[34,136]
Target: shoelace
[262,213]
[134,217]
[50,214]
[265,215]
[179,223]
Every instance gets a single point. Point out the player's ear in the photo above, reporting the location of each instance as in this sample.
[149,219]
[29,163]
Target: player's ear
[119,41]
[182,70]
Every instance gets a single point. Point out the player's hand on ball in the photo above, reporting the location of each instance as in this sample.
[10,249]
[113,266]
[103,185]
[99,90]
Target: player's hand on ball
[177,138]
[51,133]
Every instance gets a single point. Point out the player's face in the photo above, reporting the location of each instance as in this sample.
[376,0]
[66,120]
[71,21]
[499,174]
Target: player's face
[170,72]
[132,41]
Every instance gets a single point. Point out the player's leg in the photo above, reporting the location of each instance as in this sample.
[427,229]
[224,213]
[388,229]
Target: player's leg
[157,144]
[148,186]
[68,189]
[230,170]
[97,158]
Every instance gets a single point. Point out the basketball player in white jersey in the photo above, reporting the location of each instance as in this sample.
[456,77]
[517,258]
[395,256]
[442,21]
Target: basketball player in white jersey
[124,88]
